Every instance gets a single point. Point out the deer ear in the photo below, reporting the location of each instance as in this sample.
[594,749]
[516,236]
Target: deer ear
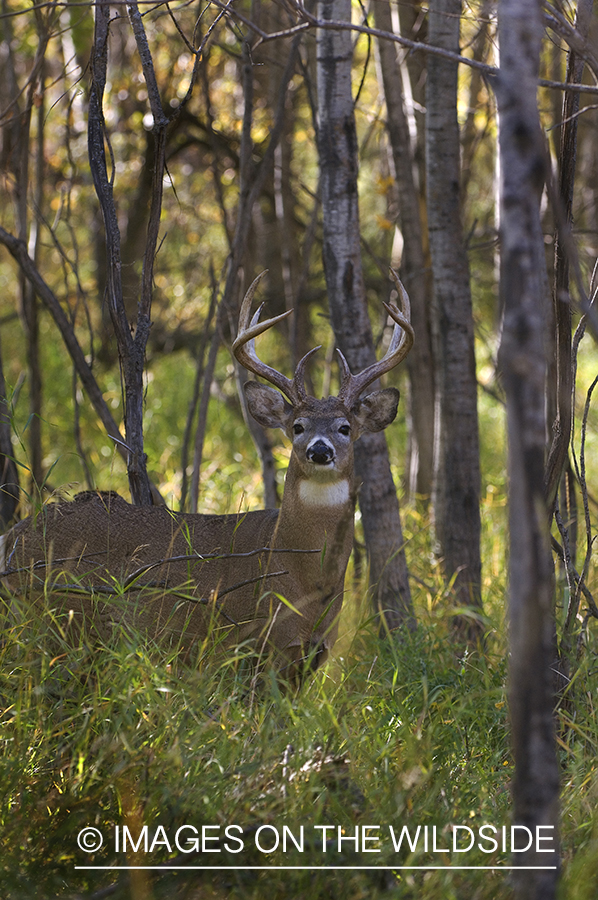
[377,410]
[267,406]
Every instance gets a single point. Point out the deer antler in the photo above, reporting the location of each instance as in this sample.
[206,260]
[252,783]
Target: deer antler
[244,348]
[400,345]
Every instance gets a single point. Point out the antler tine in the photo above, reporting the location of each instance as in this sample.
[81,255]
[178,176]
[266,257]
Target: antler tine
[404,307]
[250,327]
[400,345]
[244,345]
[345,372]
[299,378]
[245,311]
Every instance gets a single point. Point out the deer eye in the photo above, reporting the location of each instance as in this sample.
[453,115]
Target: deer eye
[345,429]
[298,428]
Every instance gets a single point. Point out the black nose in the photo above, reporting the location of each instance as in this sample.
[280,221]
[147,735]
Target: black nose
[320,452]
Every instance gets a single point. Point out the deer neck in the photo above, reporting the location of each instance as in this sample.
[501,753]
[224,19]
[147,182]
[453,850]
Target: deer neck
[316,510]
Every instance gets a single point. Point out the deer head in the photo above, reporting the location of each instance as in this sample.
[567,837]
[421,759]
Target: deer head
[322,432]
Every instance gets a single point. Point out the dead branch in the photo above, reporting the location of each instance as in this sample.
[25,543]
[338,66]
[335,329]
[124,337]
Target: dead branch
[18,251]
[186,557]
[311,21]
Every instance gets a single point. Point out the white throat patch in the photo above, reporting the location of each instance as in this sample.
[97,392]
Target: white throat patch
[322,493]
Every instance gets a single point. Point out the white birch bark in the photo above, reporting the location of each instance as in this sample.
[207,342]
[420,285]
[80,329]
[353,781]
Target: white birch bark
[413,265]
[337,147]
[456,466]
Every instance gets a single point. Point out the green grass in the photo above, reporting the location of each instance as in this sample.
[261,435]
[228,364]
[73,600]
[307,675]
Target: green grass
[392,732]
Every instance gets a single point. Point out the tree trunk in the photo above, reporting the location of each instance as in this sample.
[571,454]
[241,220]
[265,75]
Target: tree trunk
[18,250]
[9,474]
[561,428]
[457,466]
[337,148]
[470,137]
[277,236]
[523,361]
[252,180]
[413,23]
[20,152]
[131,347]
[413,265]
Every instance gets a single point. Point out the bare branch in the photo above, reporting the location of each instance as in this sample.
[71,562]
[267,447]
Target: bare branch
[18,250]
[311,21]
[99,171]
[574,36]
[147,64]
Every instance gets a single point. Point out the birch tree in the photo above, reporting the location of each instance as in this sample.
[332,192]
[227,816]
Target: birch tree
[523,361]
[413,263]
[337,148]
[456,491]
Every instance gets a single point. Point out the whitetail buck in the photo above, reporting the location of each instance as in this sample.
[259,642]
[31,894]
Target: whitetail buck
[271,577]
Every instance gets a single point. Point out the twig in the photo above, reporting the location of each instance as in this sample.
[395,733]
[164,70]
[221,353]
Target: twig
[311,21]
[588,596]
[185,557]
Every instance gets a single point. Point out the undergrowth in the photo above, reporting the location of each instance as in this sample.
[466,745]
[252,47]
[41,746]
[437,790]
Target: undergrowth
[397,732]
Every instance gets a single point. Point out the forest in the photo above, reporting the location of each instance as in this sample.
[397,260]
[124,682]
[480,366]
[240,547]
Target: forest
[156,157]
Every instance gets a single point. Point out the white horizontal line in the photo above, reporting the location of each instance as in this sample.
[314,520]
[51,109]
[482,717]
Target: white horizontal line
[313,868]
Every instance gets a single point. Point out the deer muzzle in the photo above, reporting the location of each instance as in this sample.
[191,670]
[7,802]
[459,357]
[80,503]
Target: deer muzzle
[321,452]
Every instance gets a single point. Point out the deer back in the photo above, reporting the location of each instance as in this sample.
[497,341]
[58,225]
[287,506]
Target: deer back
[101,544]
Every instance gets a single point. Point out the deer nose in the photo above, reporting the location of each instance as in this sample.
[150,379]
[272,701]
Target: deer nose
[320,452]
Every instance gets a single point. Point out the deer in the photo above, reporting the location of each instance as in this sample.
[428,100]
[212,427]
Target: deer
[273,579]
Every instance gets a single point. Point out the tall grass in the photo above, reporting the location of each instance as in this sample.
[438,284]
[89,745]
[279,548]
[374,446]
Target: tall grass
[397,732]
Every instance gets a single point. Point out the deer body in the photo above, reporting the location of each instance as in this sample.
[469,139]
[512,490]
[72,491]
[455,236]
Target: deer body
[274,578]
[205,584]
